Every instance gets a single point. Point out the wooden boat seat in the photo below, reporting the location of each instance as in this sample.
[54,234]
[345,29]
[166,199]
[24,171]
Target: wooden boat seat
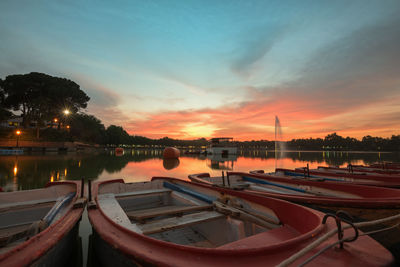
[26,204]
[140,215]
[143,192]
[177,222]
[7,233]
[111,208]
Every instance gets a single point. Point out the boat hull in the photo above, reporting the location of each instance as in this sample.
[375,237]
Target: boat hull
[65,253]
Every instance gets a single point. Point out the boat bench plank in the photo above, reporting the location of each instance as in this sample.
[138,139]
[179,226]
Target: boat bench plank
[176,222]
[23,204]
[111,208]
[166,210]
[143,192]
[5,234]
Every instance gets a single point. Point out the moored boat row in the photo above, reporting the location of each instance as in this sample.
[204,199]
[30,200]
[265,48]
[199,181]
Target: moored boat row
[236,220]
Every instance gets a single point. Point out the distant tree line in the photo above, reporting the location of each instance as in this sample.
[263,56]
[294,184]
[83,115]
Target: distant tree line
[40,97]
[338,143]
[331,142]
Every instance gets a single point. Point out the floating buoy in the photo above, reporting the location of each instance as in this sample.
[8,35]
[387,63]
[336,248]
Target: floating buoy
[171,153]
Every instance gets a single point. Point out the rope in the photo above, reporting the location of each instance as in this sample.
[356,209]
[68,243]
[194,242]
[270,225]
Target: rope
[344,240]
[329,234]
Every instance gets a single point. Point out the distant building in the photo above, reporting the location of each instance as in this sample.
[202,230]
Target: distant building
[13,122]
[16,122]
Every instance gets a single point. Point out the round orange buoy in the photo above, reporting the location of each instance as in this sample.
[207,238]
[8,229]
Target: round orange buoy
[171,153]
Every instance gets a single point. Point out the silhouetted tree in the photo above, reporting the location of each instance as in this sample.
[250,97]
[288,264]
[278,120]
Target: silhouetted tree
[87,128]
[116,135]
[4,113]
[42,97]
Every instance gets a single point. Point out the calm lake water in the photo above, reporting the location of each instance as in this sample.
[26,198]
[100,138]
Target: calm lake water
[22,172]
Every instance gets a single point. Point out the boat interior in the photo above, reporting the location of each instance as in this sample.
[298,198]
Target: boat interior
[189,215]
[240,182]
[364,179]
[26,213]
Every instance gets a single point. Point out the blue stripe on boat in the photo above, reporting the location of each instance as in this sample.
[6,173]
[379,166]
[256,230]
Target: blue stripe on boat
[311,176]
[259,181]
[57,207]
[183,189]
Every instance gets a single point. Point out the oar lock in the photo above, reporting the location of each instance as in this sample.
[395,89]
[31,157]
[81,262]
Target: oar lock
[339,219]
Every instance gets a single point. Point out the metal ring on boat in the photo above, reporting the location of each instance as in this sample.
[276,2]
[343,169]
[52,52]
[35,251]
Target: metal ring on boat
[339,219]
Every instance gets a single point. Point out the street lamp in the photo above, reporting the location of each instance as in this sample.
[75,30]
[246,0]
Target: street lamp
[66,113]
[18,132]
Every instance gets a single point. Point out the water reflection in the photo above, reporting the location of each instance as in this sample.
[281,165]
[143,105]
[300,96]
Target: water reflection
[170,164]
[221,162]
[23,172]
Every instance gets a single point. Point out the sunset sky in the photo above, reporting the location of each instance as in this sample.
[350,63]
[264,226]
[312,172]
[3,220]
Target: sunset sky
[190,69]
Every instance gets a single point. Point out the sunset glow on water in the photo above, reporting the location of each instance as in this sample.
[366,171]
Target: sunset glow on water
[34,171]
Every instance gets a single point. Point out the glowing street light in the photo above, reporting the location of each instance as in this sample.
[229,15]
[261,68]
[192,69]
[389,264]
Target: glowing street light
[66,114]
[18,132]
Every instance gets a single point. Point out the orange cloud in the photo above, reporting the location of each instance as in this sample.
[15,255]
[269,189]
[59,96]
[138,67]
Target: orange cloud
[300,117]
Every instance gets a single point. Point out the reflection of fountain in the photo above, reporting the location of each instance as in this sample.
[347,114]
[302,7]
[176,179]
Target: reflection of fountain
[170,164]
[221,161]
[279,143]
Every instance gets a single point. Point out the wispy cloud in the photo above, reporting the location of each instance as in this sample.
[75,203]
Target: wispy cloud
[253,46]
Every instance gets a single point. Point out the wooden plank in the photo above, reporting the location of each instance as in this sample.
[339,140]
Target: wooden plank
[246,215]
[143,192]
[183,198]
[111,208]
[26,204]
[176,222]
[166,210]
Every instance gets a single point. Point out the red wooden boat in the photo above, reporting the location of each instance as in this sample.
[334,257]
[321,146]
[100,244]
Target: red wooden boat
[306,191]
[386,165]
[40,227]
[170,222]
[326,176]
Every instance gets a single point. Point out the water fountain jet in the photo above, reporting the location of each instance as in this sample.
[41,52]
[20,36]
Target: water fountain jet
[279,143]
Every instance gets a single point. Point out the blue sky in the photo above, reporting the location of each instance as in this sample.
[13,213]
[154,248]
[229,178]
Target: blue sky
[206,68]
